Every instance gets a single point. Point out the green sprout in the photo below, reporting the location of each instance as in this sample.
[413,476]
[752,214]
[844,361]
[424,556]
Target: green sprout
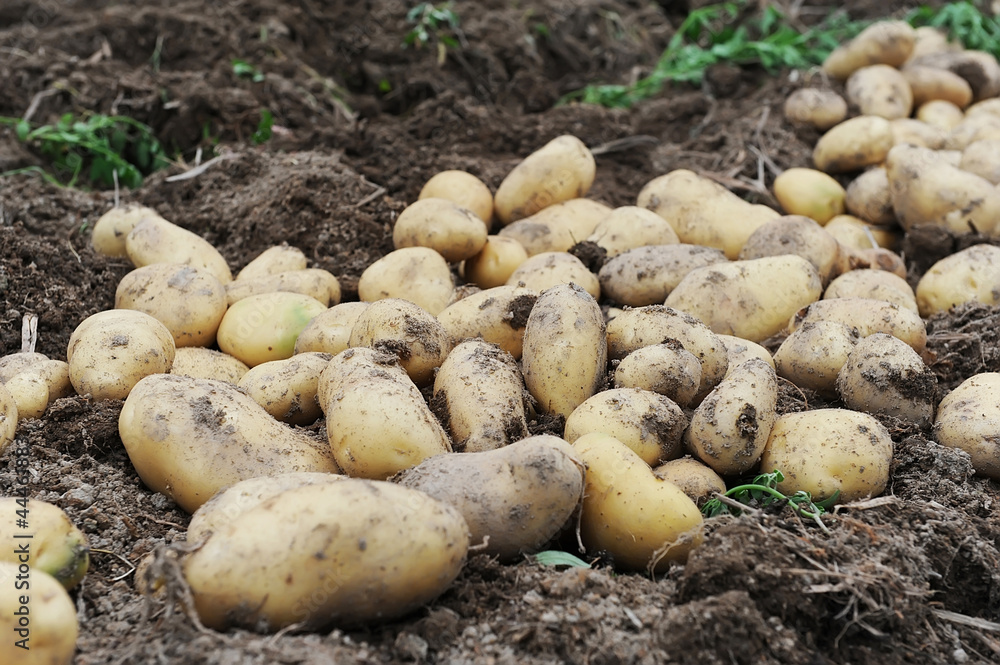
[245,70]
[763,492]
[432,21]
[557,558]
[263,133]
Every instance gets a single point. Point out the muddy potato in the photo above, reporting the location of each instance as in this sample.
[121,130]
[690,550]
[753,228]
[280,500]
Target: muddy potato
[971,275]
[274,260]
[885,42]
[109,352]
[667,369]
[39,385]
[809,192]
[497,315]
[43,616]
[330,330]
[983,159]
[979,69]
[919,133]
[479,395]
[821,109]
[264,327]
[558,227]
[8,418]
[495,262]
[548,269]
[880,90]
[377,422]
[312,282]
[973,128]
[454,232]
[697,480]
[189,302]
[56,546]
[646,275]
[813,355]
[854,144]
[463,189]
[155,240]
[968,418]
[514,499]
[562,169]
[645,522]
[876,284]
[629,227]
[650,424]
[931,83]
[199,363]
[868,316]
[884,376]
[364,552]
[798,235]
[739,350]
[110,231]
[826,450]
[287,388]
[940,113]
[868,197]
[417,274]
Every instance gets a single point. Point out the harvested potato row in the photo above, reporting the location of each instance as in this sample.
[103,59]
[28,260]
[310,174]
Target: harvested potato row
[330,330]
[417,274]
[52,629]
[646,275]
[810,193]
[272,261]
[968,418]
[262,328]
[454,232]
[667,369]
[287,388]
[971,275]
[498,315]
[111,229]
[200,363]
[155,240]
[464,190]
[495,262]
[549,269]
[312,282]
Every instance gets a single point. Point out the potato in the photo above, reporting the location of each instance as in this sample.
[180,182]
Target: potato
[548,269]
[8,418]
[56,546]
[495,262]
[819,108]
[880,90]
[109,352]
[983,159]
[869,198]
[876,284]
[855,234]
[376,419]
[464,190]
[643,326]
[644,522]
[931,40]
[854,144]
[667,369]
[650,424]
[330,330]
[868,316]
[110,231]
[13,364]
[274,260]
[884,376]
[198,363]
[287,388]
[480,396]
[703,212]
[498,315]
[39,385]
[981,127]
[980,70]
[454,232]
[364,551]
[558,227]
[919,133]
[750,299]
[312,282]
[514,499]
[739,350]
[646,275]
[629,227]
[940,113]
[417,274]
[968,418]
[695,479]
[155,240]
[189,302]
[885,42]
[971,275]
[931,83]
[798,235]
[189,438]
[562,169]
[985,107]
[261,328]
[811,193]
[37,618]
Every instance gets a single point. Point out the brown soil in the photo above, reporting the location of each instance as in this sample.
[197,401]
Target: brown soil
[912,577]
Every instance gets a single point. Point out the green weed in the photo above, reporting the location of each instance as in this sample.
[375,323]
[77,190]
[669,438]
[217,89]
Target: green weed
[433,23]
[245,70]
[763,492]
[263,133]
[557,558]
[964,22]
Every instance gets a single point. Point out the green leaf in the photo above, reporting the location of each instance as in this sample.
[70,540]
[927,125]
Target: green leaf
[23,129]
[557,558]
[263,132]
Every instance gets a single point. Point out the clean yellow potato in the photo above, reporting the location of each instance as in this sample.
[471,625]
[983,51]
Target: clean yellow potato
[854,144]
[885,42]
[417,274]
[695,479]
[454,232]
[629,227]
[633,329]
[405,330]
[646,275]
[189,438]
[37,618]
[819,108]
[649,423]
[497,315]
[189,302]
[854,233]
[868,316]
[8,418]
[514,498]
[813,355]
[667,369]
[264,327]
[495,262]
[940,113]
[980,127]
[798,235]
[56,546]
[750,299]
[155,240]
[931,83]
[979,69]
[646,523]
[868,197]
[479,394]
[880,90]
[884,376]
[15,363]
[560,170]
[558,227]
[983,159]
[548,269]
[287,388]
[463,189]
[274,260]
[876,284]
[109,352]
[739,350]
[330,330]
[363,552]
[968,418]
[110,231]
[730,427]
[809,192]
[703,212]
[919,133]
[199,363]
[826,450]
[377,422]
[971,275]
[312,282]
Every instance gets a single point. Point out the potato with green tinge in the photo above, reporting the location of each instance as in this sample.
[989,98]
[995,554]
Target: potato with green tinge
[330,330]
[287,388]
[968,418]
[56,546]
[646,275]
[417,274]
[667,369]
[970,275]
[264,327]
[497,315]
[52,627]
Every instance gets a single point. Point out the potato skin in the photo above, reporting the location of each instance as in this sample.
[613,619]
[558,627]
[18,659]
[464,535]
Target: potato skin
[799,235]
[885,42]
[813,355]
[463,189]
[646,275]
[870,283]
[982,158]
[287,388]
[264,327]
[417,274]
[809,192]
[38,385]
[13,364]
[558,227]
[330,331]
[817,107]
[869,316]
[971,275]
[667,369]
[495,262]
[969,418]
[852,145]
[274,260]
[549,269]
[518,496]
[365,552]
[57,547]
[629,227]
[695,479]
[8,418]
[739,350]
[869,198]
[312,282]
[498,315]
[940,113]
[53,629]
[880,90]
[454,232]
[199,363]
[931,83]
[155,240]
[111,229]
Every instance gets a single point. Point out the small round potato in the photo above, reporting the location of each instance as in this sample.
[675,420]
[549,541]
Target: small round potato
[813,106]
[667,369]
[274,260]
[813,355]
[940,113]
[497,315]
[417,274]
[200,363]
[14,363]
[50,629]
[971,275]
[57,546]
[695,479]
[464,190]
[495,262]
[453,232]
[880,90]
[38,385]
[854,144]
[548,269]
[110,231]
[264,327]
[798,235]
[330,331]
[739,350]
[969,418]
[287,388]
[916,132]
[810,193]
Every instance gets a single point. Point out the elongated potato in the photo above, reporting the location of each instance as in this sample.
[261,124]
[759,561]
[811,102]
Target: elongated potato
[869,316]
[261,328]
[110,231]
[454,232]
[919,133]
[417,274]
[155,240]
[885,42]
[37,618]
[646,275]
[274,260]
[199,363]
[880,90]
[498,315]
[330,331]
[377,422]
[312,282]
[695,479]
[365,551]
[817,107]
[931,83]
[565,349]
[667,369]
[287,388]
[629,227]
[189,438]
[56,546]
[931,40]
[8,418]
[562,169]
[548,269]
[971,275]
[558,227]
[885,376]
[968,418]
[853,145]
[514,499]
[980,69]
[876,284]
[463,189]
